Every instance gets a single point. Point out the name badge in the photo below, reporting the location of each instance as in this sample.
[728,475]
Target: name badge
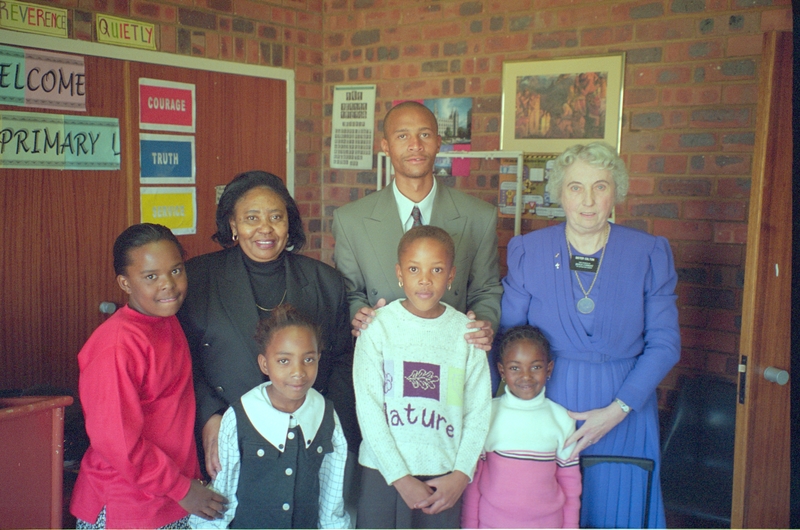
[583,263]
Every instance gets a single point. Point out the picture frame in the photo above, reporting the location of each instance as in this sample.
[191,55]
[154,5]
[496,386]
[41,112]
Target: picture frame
[551,104]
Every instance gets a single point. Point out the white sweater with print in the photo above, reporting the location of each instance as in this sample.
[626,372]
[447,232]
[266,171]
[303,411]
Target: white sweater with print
[423,395]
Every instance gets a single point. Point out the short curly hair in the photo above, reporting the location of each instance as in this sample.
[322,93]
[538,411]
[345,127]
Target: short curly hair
[524,332]
[596,154]
[235,190]
[428,232]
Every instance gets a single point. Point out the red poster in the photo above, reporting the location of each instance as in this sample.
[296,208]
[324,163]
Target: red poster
[166,105]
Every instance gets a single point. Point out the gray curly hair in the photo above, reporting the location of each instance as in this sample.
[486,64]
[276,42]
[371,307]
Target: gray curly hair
[596,154]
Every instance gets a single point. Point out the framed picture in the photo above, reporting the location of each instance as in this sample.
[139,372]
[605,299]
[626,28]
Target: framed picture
[552,104]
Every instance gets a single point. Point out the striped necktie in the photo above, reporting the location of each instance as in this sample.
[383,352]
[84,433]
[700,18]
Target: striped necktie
[416,216]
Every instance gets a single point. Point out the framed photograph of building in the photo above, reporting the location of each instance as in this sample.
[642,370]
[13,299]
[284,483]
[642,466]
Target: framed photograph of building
[549,105]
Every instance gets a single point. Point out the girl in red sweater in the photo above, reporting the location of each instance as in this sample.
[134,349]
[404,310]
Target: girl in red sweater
[141,468]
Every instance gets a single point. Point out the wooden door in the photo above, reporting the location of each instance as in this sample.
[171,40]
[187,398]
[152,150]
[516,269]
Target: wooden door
[55,256]
[762,462]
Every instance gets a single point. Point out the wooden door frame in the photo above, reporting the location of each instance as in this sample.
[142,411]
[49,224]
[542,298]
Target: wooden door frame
[760,280]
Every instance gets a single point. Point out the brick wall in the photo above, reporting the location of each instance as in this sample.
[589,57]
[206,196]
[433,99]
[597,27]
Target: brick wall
[688,116]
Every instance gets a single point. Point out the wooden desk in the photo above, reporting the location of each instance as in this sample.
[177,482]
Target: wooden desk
[32,461]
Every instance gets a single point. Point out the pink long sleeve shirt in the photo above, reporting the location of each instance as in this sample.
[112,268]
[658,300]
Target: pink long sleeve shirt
[524,479]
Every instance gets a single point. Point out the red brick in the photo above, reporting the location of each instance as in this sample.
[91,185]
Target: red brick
[709,340]
[641,186]
[606,35]
[692,51]
[507,43]
[694,317]
[730,233]
[343,22]
[682,230]
[594,14]
[507,6]
[721,364]
[212,44]
[226,47]
[740,94]
[715,210]
[310,21]
[741,45]
[442,31]
[733,188]
[778,20]
[283,16]
[154,12]
[167,39]
[664,30]
[640,96]
[721,118]
[724,320]
[695,359]
[415,15]
[712,254]
[679,142]
[382,19]
[703,95]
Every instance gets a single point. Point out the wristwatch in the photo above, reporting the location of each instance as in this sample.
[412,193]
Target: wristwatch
[625,408]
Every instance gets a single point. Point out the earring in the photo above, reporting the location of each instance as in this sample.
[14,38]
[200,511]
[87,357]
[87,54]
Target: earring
[400,283]
[503,379]
[235,237]
[449,286]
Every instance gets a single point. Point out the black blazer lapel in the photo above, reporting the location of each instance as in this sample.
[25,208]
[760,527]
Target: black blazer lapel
[236,296]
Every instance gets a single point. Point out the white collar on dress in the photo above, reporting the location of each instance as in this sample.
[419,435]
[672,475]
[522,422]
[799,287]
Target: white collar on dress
[274,424]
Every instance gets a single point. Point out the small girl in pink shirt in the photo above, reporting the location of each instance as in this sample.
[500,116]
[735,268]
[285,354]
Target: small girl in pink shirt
[524,478]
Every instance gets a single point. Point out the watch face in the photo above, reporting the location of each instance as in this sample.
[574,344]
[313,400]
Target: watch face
[625,408]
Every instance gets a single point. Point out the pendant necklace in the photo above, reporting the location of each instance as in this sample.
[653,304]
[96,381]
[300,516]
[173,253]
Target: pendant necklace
[586,305]
[274,308]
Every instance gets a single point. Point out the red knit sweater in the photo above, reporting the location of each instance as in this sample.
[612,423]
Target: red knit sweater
[138,400]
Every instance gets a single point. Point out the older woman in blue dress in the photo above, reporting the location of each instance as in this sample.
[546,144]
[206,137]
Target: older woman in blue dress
[604,295]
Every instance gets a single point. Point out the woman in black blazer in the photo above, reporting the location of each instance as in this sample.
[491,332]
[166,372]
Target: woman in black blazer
[259,227]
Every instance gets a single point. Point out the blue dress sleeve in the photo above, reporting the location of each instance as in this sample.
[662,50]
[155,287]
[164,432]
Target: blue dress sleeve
[662,341]
[516,299]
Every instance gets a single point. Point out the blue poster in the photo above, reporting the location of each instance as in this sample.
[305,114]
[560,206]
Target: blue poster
[166,159]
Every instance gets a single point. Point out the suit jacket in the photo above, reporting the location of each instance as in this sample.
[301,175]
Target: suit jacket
[368,231]
[219,317]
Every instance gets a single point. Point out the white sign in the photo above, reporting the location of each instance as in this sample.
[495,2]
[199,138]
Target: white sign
[353,127]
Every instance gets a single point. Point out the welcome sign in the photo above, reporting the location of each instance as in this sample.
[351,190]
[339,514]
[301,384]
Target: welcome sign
[54,141]
[33,78]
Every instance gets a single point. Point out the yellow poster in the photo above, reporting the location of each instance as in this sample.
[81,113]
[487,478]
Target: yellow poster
[125,32]
[173,207]
[33,18]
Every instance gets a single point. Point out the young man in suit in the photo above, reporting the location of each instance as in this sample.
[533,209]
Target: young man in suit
[367,231]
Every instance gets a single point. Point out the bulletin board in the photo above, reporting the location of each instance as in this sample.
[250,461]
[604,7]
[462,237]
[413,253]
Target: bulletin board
[60,225]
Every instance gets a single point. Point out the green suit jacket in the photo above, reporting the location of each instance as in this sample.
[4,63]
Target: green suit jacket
[368,231]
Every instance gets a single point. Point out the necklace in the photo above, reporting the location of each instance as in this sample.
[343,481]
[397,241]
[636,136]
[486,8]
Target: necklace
[276,307]
[586,305]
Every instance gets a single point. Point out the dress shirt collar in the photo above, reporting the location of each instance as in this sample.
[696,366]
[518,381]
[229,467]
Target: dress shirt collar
[274,425]
[405,205]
